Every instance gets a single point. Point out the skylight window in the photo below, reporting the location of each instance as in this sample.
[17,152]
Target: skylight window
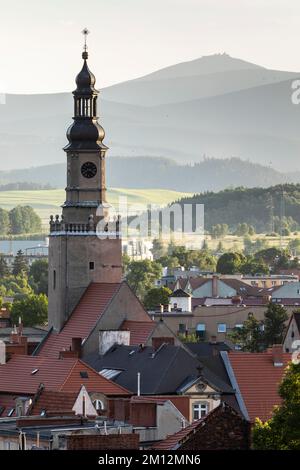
[109,373]
[10,412]
[34,371]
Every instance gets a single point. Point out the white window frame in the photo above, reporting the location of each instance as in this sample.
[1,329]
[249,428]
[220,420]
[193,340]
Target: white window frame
[223,330]
[201,409]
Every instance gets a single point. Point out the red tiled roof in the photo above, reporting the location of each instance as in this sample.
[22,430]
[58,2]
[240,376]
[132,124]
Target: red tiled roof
[7,402]
[56,374]
[258,380]
[139,331]
[83,319]
[172,442]
[52,402]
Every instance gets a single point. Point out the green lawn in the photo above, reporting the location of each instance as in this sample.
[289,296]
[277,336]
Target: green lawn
[47,202]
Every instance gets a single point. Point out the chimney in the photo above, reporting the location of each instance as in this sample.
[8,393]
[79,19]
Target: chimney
[14,337]
[138,384]
[277,355]
[215,285]
[23,340]
[20,327]
[76,346]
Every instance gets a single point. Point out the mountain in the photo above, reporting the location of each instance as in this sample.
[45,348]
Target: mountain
[162,173]
[216,106]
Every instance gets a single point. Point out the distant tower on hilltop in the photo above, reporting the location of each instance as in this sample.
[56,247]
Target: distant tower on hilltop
[77,256]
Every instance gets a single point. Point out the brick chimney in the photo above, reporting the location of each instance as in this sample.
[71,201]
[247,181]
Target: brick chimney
[277,355]
[214,288]
[76,346]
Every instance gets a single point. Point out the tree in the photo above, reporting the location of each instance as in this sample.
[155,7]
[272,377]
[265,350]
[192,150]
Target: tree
[275,324]
[38,276]
[23,219]
[142,275]
[157,296]
[250,336]
[4,222]
[242,229]
[3,267]
[219,230]
[15,286]
[20,265]
[294,246]
[171,262]
[33,310]
[159,248]
[254,266]
[282,431]
[230,263]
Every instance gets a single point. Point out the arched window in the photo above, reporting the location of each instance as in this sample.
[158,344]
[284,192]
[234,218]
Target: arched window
[99,405]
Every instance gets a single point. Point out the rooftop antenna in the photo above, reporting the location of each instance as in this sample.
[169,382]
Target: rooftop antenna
[85,32]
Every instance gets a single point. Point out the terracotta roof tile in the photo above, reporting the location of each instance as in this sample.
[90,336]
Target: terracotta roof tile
[83,319]
[53,402]
[18,377]
[7,402]
[258,380]
[171,442]
[139,331]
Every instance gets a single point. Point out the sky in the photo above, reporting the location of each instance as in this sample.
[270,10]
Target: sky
[41,44]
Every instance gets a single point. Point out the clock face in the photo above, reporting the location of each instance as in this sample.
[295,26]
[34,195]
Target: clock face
[89,170]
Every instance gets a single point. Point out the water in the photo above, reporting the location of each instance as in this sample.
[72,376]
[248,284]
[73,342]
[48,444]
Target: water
[6,246]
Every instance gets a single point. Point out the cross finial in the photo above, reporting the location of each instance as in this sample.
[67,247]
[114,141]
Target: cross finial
[85,32]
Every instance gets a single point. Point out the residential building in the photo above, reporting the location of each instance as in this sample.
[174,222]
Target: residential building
[256,378]
[165,370]
[222,429]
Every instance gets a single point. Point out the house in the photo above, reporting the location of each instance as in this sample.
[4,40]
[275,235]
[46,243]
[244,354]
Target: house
[164,369]
[221,429]
[292,333]
[215,320]
[290,290]
[103,307]
[65,433]
[256,378]
[21,340]
[20,379]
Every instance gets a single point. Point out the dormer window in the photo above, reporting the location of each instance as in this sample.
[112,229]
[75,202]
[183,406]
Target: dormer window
[200,409]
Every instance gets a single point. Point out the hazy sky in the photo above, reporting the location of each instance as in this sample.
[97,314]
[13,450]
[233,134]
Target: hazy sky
[41,43]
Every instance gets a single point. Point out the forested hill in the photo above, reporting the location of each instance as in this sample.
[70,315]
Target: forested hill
[147,172]
[261,207]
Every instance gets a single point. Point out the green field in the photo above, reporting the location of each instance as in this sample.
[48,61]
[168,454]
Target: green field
[47,202]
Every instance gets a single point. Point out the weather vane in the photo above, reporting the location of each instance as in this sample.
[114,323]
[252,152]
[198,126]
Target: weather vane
[85,32]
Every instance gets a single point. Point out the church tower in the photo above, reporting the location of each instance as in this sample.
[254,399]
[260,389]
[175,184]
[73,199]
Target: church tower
[78,252]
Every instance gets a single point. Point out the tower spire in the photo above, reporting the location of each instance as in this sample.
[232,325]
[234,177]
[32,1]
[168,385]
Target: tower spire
[85,32]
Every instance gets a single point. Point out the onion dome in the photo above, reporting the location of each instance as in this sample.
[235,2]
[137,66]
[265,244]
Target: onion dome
[85,133]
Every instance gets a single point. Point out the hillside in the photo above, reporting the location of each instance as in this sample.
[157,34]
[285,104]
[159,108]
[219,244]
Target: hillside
[217,106]
[162,173]
[260,207]
[47,202]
